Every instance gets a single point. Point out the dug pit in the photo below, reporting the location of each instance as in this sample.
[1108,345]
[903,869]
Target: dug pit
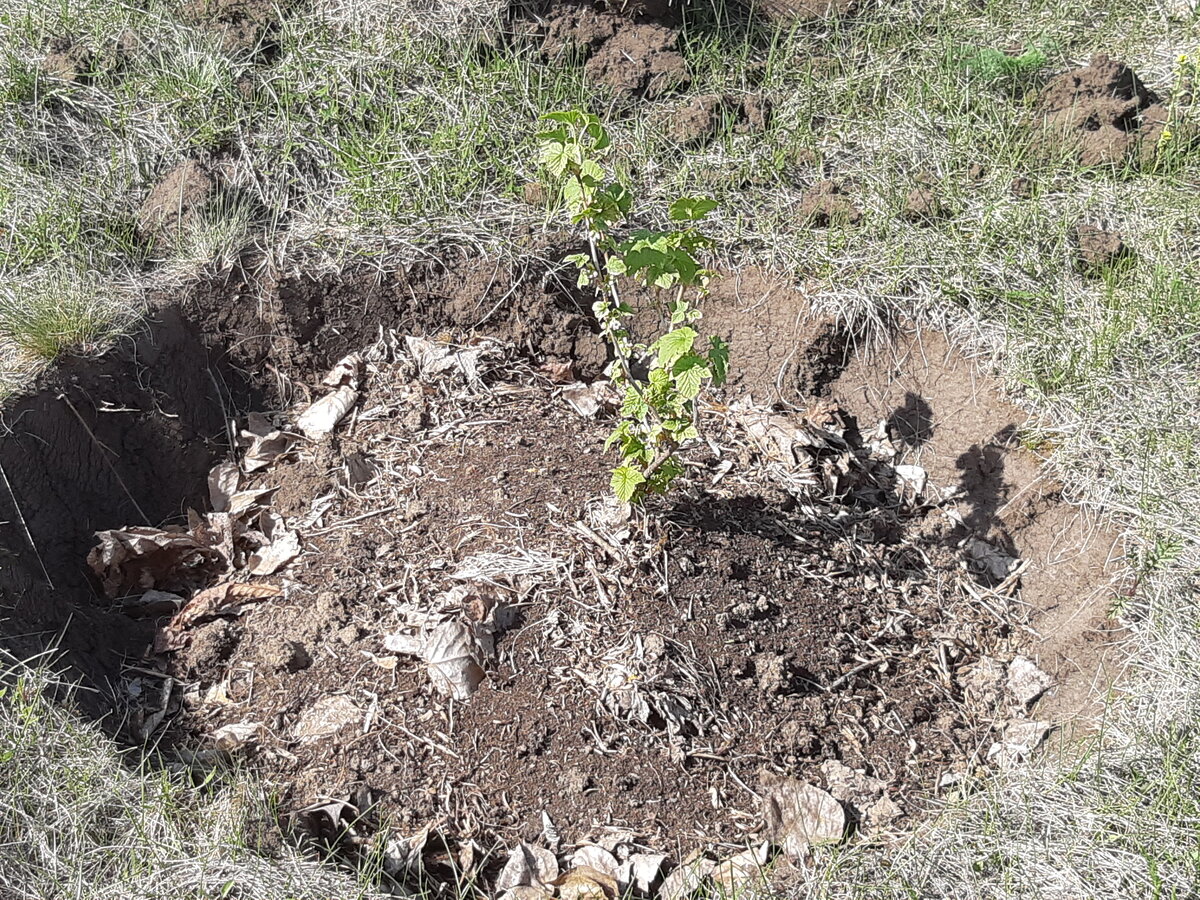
[355,529]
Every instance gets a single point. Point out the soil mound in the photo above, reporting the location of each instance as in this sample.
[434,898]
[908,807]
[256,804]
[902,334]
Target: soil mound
[1099,249]
[242,25]
[632,51]
[1101,114]
[702,118]
[826,204]
[176,203]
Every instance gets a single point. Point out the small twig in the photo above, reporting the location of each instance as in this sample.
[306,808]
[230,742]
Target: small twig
[845,676]
[25,527]
[108,462]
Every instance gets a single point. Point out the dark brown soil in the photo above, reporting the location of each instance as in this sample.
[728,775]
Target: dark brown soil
[242,25]
[1099,249]
[923,205]
[826,204]
[646,672]
[790,12]
[1101,114]
[702,118]
[632,51]
[175,203]
[70,61]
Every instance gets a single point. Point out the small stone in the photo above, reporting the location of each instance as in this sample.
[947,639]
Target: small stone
[1021,738]
[799,815]
[1026,682]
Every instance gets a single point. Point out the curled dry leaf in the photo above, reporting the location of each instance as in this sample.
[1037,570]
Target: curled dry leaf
[586,883]
[435,359]
[264,450]
[323,415]
[237,735]
[223,483]
[527,865]
[136,560]
[687,879]
[151,604]
[225,599]
[799,815]
[268,560]
[742,871]
[589,400]
[594,857]
[345,373]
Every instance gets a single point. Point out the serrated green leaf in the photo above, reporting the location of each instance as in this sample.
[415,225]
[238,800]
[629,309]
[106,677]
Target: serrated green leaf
[625,481]
[555,157]
[689,371]
[674,344]
[691,209]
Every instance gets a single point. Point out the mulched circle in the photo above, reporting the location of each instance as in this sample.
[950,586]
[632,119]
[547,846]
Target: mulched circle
[633,677]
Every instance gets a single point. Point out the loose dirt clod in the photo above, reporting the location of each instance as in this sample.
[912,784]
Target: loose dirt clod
[702,118]
[1101,114]
[826,204]
[178,201]
[1099,249]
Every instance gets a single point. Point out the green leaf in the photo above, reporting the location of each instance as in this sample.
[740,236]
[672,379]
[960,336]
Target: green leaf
[674,344]
[625,482]
[616,266]
[555,157]
[718,359]
[691,209]
[689,371]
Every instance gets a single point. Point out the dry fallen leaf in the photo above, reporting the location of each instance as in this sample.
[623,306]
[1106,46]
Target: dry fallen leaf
[323,415]
[641,871]
[687,879]
[799,815]
[558,371]
[434,359]
[586,883]
[527,865]
[223,483]
[326,717]
[594,857]
[742,871]
[345,373]
[239,734]
[225,599]
[268,560]
[589,400]
[453,656]
[264,450]
[135,560]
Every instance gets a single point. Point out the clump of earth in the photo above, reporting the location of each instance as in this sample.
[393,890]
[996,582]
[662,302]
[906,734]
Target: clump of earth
[1100,114]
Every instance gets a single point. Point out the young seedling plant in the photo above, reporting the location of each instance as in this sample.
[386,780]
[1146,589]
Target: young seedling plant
[660,381]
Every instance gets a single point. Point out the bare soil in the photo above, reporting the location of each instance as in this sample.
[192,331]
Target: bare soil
[773,616]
